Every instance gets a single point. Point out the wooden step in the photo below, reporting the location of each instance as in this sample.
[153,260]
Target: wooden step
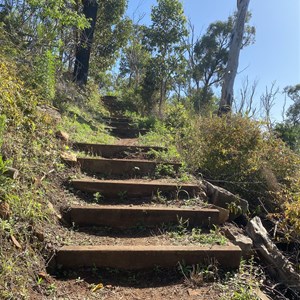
[126,167]
[145,257]
[118,124]
[116,119]
[127,132]
[111,151]
[133,189]
[127,216]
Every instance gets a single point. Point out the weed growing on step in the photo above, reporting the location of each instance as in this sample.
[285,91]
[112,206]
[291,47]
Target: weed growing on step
[240,285]
[98,197]
[161,136]
[197,275]
[183,176]
[158,197]
[243,284]
[182,234]
[163,170]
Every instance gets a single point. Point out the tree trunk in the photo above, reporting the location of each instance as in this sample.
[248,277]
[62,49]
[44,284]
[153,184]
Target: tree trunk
[83,50]
[233,57]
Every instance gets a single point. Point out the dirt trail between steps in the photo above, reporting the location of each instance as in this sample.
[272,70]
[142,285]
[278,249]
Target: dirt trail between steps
[127,142]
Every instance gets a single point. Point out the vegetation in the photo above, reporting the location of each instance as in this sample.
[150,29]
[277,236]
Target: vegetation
[165,83]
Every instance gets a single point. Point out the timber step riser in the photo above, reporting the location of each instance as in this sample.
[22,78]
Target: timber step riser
[116,119]
[145,257]
[111,151]
[123,167]
[127,132]
[110,189]
[120,124]
[128,217]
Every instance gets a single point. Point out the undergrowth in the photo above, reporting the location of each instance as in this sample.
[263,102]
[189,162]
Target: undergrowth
[82,112]
[237,153]
[28,144]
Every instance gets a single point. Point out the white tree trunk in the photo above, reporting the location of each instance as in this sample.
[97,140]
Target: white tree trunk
[233,57]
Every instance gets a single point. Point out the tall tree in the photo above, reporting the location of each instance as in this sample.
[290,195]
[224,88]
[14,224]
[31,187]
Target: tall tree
[99,44]
[164,36]
[293,112]
[233,57]
[289,131]
[111,34]
[210,56]
[83,51]
[134,58]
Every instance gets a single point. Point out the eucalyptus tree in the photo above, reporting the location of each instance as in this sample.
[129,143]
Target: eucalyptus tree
[100,42]
[36,25]
[164,39]
[233,57]
[210,56]
[135,57]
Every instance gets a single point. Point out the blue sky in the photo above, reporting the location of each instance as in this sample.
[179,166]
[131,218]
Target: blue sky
[275,56]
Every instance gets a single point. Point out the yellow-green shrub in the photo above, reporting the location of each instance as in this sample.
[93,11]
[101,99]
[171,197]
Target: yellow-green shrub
[12,97]
[238,154]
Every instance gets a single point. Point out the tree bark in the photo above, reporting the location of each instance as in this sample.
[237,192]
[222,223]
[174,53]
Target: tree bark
[233,57]
[83,50]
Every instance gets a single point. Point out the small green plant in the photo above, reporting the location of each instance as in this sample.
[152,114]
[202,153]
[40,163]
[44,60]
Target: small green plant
[162,170]
[51,289]
[158,197]
[197,275]
[182,234]
[98,197]
[243,284]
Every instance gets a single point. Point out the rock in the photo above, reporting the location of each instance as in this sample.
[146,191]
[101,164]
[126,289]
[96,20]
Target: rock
[53,210]
[62,135]
[50,111]
[69,157]
[223,215]
[193,293]
[4,210]
[11,173]
[238,238]
[223,198]
[39,234]
[15,242]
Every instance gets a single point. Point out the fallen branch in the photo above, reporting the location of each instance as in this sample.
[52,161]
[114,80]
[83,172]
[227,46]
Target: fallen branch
[277,264]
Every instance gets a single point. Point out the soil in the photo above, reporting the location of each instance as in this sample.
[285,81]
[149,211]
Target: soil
[115,285]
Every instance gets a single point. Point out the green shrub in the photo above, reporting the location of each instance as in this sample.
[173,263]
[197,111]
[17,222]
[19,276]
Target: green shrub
[45,73]
[236,153]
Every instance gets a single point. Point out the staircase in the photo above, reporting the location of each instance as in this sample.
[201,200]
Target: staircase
[120,175]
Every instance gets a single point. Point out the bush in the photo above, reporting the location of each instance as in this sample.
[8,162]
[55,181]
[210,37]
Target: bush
[236,153]
[28,144]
